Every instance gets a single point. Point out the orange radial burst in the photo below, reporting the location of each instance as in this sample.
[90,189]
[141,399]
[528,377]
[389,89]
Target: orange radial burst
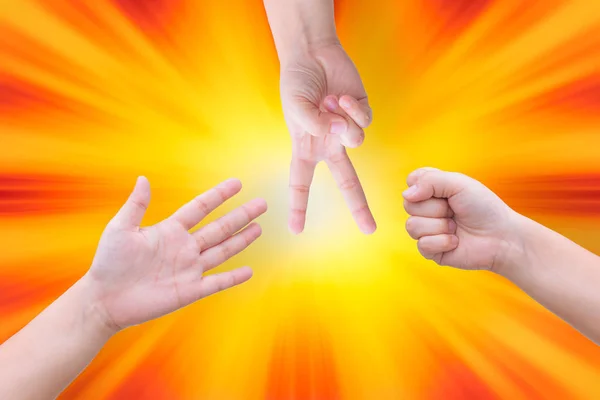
[185,92]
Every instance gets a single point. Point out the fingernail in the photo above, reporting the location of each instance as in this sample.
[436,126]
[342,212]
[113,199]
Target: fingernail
[417,173]
[452,226]
[338,127]
[345,103]
[361,139]
[454,240]
[330,104]
[410,191]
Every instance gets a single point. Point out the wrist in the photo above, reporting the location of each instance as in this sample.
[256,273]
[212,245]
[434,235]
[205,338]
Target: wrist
[95,319]
[303,45]
[301,27]
[516,247]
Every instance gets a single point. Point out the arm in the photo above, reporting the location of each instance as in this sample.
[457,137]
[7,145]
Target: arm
[45,356]
[461,223]
[559,274]
[298,25]
[138,274]
[324,103]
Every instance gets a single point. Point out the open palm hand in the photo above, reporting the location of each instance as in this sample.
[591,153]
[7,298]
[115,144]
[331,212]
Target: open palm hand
[140,274]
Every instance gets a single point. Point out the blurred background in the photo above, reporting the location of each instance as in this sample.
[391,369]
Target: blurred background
[95,93]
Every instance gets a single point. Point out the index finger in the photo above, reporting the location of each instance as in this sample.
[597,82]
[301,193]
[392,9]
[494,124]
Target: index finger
[196,210]
[414,176]
[347,180]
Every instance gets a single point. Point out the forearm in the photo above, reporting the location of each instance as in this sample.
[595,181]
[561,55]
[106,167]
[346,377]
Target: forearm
[559,274]
[299,24]
[45,356]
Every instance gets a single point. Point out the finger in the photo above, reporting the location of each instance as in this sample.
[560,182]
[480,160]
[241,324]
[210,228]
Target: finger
[218,282]
[301,176]
[354,135]
[221,229]
[438,184]
[319,123]
[360,112]
[217,255]
[196,210]
[413,176]
[430,246]
[347,180]
[132,212]
[418,227]
[432,208]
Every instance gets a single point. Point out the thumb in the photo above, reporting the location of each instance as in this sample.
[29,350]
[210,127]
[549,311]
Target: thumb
[132,212]
[426,183]
[320,123]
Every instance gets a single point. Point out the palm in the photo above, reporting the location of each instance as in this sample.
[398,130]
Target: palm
[305,84]
[310,89]
[143,273]
[148,286]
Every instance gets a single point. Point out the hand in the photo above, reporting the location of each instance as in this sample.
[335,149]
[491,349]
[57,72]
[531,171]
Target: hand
[326,108]
[139,274]
[457,221]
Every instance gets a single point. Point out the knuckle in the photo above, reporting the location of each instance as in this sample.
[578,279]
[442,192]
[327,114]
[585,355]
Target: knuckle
[137,203]
[230,281]
[425,253]
[361,209]
[202,206]
[201,241]
[461,179]
[337,158]
[246,239]
[225,227]
[349,183]
[247,211]
[410,226]
[425,176]
[422,246]
[300,188]
[221,193]
[225,252]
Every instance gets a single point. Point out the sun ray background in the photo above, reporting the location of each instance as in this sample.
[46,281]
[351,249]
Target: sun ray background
[94,93]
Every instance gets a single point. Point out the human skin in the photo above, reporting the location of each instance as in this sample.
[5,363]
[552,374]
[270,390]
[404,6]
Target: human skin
[459,222]
[324,102]
[138,274]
